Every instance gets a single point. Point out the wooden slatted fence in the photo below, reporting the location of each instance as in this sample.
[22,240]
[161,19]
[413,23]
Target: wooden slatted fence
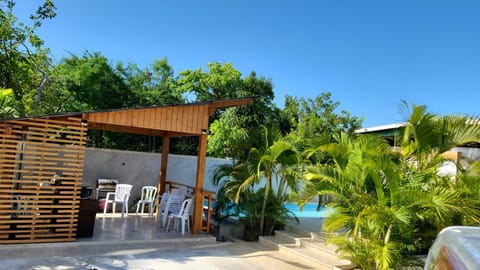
[41,167]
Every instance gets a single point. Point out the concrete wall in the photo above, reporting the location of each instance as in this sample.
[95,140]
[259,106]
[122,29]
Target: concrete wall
[141,169]
[468,153]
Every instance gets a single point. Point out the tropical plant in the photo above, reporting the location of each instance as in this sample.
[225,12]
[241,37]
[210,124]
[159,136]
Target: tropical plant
[267,168]
[366,209]
[389,205]
[275,214]
[272,168]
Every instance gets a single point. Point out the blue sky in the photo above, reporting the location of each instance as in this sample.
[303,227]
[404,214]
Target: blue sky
[369,54]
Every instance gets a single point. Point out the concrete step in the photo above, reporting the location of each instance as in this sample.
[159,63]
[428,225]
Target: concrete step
[319,245]
[273,242]
[307,246]
[281,238]
[292,236]
[326,260]
[299,254]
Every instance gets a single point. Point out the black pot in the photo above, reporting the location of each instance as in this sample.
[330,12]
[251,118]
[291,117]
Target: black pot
[86,192]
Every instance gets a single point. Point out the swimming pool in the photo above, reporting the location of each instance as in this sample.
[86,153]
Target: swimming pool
[309,210]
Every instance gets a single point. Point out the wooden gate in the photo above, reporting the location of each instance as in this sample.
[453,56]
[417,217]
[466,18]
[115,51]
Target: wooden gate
[41,167]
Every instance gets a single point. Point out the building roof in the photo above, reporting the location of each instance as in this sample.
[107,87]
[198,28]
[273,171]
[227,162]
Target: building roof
[381,129]
[166,120]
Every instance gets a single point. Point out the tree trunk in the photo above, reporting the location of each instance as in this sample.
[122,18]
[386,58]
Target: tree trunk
[264,206]
[389,232]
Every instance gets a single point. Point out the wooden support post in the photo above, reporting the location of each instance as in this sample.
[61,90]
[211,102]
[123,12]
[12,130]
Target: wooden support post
[163,165]
[198,205]
[163,169]
[452,155]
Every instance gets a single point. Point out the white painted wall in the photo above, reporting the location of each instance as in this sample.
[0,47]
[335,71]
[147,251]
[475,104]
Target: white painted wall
[468,153]
[141,169]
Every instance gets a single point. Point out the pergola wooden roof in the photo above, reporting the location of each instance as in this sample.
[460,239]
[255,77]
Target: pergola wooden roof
[33,150]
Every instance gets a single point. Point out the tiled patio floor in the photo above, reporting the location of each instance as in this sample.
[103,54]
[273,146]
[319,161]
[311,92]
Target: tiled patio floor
[136,227]
[138,242]
[111,227]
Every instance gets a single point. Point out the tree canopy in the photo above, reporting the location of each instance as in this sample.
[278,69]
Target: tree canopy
[24,61]
[31,84]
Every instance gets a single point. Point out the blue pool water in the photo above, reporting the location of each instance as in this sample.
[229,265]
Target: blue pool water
[309,210]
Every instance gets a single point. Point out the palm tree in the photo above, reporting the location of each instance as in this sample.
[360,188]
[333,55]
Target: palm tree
[427,135]
[386,203]
[272,166]
[365,193]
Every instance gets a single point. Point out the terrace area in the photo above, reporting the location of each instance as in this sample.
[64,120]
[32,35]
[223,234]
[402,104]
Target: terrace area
[138,242]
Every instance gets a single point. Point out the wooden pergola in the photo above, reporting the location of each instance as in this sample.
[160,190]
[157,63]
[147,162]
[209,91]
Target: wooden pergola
[41,163]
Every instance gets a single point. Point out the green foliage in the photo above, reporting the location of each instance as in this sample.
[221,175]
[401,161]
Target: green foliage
[275,214]
[227,138]
[7,104]
[154,85]
[248,204]
[312,118]
[233,130]
[218,82]
[92,82]
[271,166]
[24,63]
[427,133]
[390,205]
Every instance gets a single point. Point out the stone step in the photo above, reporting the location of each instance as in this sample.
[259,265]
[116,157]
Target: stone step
[296,233]
[297,252]
[280,238]
[326,260]
[307,246]
[314,240]
[292,236]
[273,242]
[319,245]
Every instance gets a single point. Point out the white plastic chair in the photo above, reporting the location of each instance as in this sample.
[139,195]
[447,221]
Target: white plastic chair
[161,204]
[174,201]
[183,216]
[148,197]
[121,195]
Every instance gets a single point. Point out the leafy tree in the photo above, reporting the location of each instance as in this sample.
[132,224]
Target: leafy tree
[233,131]
[154,85]
[7,104]
[218,82]
[312,118]
[227,137]
[24,62]
[93,82]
